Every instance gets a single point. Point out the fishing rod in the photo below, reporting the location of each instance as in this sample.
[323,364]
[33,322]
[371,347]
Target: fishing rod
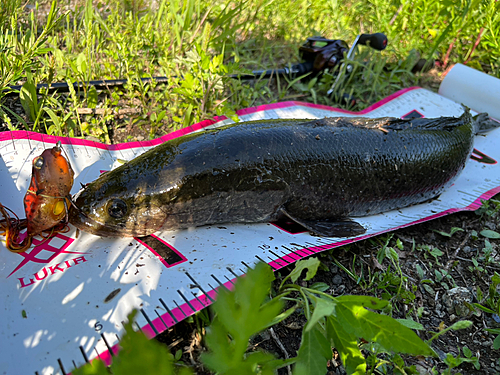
[317,53]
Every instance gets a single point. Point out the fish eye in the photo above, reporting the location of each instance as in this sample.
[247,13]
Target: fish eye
[117,208]
[38,162]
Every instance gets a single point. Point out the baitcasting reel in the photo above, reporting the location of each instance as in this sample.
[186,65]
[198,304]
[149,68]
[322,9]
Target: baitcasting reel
[317,54]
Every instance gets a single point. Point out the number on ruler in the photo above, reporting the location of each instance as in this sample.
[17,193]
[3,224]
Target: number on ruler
[98,326]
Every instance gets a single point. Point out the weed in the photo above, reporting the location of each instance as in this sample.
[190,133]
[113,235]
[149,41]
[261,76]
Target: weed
[454,362]
[488,208]
[451,233]
[492,299]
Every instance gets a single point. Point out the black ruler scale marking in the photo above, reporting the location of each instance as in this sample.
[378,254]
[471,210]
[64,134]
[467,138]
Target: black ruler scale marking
[170,256]
[61,366]
[232,272]
[107,345]
[159,316]
[149,321]
[198,286]
[169,311]
[219,282]
[180,309]
[229,280]
[198,299]
[84,354]
[186,300]
[212,288]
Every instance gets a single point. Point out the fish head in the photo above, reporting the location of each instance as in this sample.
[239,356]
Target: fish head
[110,208]
[46,201]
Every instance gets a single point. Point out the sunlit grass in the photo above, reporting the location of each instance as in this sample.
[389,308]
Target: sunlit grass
[177,39]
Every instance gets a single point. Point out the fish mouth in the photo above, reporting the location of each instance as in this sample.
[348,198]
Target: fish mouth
[88,224]
[82,221]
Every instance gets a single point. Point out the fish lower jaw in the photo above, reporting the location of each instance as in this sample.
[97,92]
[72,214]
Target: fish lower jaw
[102,230]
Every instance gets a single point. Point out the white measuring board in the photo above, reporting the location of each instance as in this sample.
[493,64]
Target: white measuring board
[64,301]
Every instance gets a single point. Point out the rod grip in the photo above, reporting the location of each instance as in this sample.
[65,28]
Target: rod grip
[377,41]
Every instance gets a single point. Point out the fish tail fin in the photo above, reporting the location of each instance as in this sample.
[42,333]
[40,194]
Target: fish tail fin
[484,123]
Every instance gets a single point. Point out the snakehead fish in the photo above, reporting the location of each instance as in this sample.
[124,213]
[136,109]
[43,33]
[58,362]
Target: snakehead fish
[319,173]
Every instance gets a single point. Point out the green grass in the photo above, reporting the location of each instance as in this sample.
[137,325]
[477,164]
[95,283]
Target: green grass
[206,41]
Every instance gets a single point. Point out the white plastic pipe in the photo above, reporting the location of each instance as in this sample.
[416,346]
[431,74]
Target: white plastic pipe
[477,90]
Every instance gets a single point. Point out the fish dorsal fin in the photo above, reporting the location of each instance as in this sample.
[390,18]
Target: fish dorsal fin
[354,122]
[387,124]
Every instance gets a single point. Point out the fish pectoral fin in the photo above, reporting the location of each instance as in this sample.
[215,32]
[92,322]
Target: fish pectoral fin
[330,227]
[337,228]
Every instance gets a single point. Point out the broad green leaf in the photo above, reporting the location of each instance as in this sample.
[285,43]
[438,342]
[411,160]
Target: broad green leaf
[347,346]
[452,361]
[221,356]
[462,324]
[29,100]
[92,97]
[420,271]
[54,119]
[323,307]
[240,311]
[81,64]
[429,289]
[240,315]
[96,367]
[280,317]
[366,301]
[496,342]
[411,324]
[436,252]
[313,354]
[467,352]
[382,329]
[322,287]
[311,264]
[391,254]
[438,275]
[489,234]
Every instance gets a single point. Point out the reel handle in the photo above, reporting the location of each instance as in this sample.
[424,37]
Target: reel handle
[377,41]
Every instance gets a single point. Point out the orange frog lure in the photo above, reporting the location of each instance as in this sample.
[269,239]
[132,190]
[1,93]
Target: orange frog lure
[46,202]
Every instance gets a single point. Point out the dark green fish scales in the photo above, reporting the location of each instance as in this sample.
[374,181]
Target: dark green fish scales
[319,173]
